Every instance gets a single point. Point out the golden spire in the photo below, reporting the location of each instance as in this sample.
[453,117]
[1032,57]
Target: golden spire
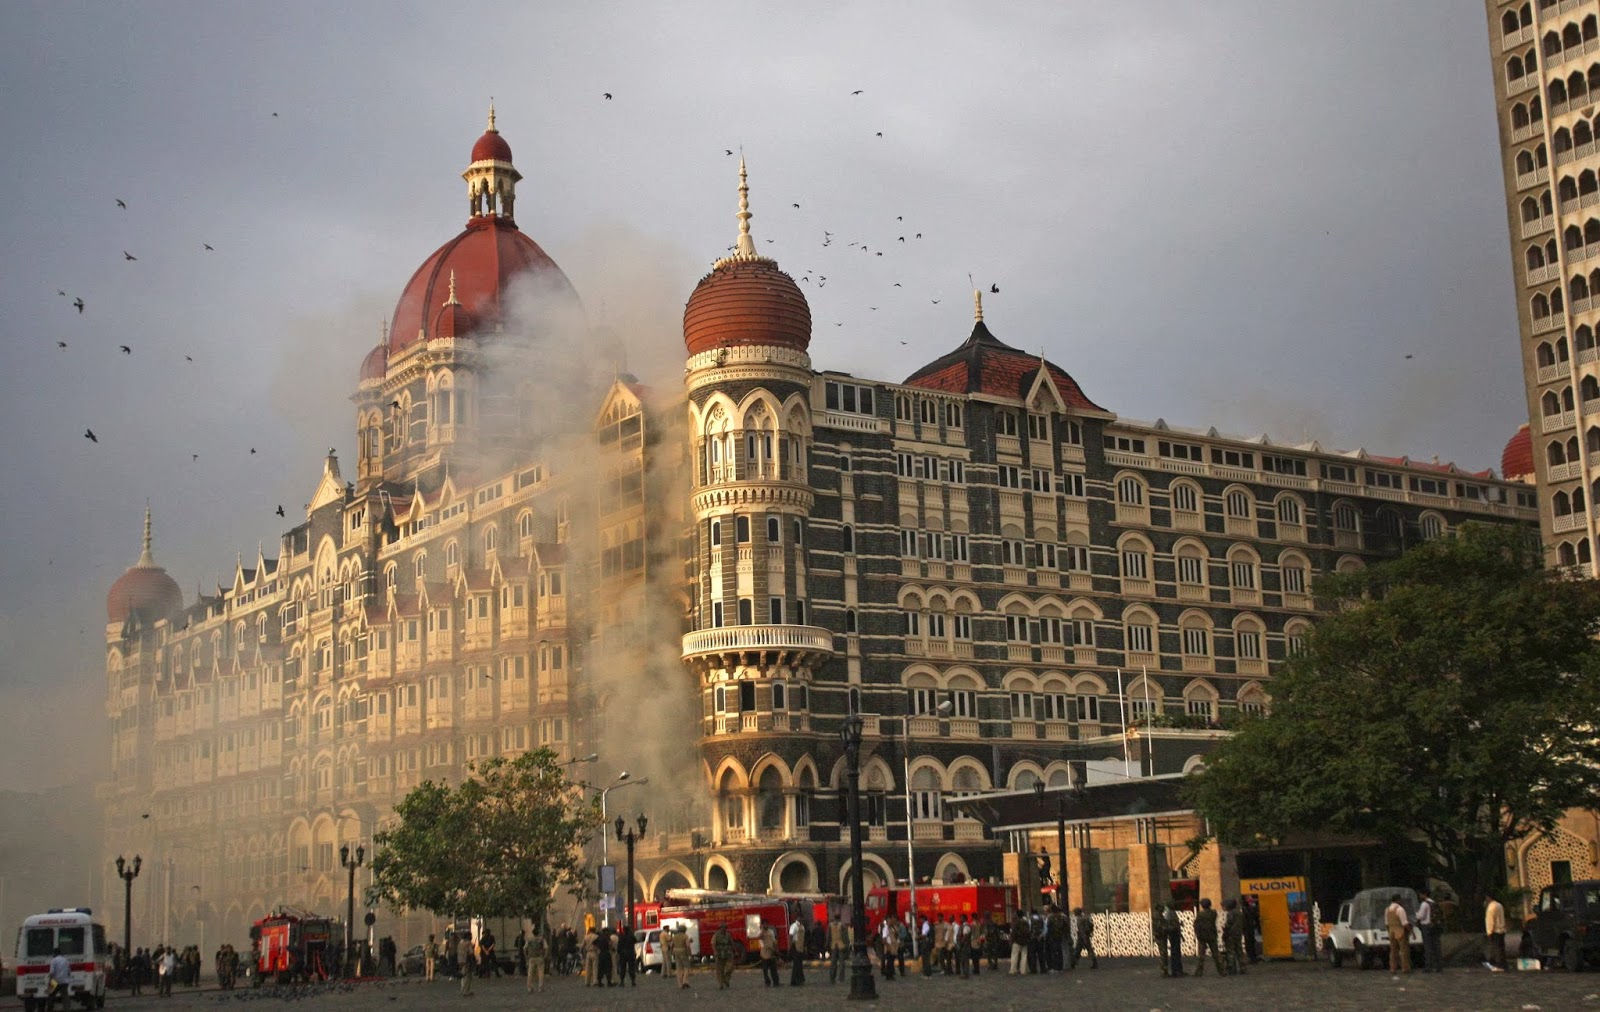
[977,304]
[146,560]
[491,116]
[746,246]
[452,300]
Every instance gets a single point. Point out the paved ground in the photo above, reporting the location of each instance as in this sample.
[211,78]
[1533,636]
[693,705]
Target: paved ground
[1118,984]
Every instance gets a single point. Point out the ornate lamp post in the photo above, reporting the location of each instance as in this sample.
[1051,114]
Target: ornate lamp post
[630,839]
[861,985]
[350,863]
[127,872]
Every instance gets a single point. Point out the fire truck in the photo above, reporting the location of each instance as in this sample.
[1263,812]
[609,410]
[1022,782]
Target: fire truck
[294,945]
[977,900]
[744,914]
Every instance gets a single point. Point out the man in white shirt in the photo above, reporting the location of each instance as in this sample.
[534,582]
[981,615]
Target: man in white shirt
[1432,925]
[797,953]
[60,985]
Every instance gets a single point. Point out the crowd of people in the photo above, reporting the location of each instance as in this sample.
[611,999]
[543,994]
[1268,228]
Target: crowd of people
[163,967]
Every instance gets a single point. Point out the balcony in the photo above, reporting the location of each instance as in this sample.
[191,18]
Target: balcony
[1531,179]
[1539,225]
[1557,423]
[1569,522]
[1552,373]
[730,645]
[1565,472]
[1539,275]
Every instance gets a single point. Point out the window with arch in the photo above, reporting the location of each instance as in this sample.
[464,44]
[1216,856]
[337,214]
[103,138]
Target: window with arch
[525,526]
[848,539]
[1139,629]
[1289,511]
[1295,573]
[1345,518]
[1185,499]
[774,530]
[1240,504]
[925,795]
[452,554]
[1294,639]
[1432,526]
[1242,570]
[769,799]
[928,412]
[1130,491]
[952,416]
[902,408]
[1191,565]
[1196,637]
[1247,633]
[420,564]
[491,539]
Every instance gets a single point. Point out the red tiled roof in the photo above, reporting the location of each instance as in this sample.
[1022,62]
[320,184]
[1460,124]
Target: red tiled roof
[984,364]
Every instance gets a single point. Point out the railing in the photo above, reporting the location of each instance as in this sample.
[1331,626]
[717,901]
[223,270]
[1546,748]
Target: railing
[1556,423]
[1555,321]
[1534,178]
[1551,373]
[1570,522]
[1120,459]
[1565,472]
[1539,275]
[757,637]
[1543,223]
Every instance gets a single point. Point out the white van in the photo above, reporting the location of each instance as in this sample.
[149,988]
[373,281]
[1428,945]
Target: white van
[81,940]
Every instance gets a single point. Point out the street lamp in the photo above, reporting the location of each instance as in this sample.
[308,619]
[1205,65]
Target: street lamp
[630,839]
[624,779]
[861,986]
[128,872]
[942,710]
[350,863]
[591,757]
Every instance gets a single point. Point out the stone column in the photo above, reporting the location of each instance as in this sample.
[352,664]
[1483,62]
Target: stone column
[1218,870]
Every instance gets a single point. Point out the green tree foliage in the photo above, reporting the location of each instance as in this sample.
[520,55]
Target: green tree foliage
[1448,697]
[498,845]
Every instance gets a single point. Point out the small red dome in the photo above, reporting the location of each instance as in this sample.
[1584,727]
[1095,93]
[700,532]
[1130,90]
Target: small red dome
[748,301]
[376,364]
[491,147]
[485,257]
[145,589]
[451,321]
[1516,460]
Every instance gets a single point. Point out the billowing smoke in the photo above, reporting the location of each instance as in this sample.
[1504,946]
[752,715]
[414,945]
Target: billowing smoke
[559,360]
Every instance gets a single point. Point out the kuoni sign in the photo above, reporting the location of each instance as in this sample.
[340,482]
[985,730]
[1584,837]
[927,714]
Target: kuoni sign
[1283,909]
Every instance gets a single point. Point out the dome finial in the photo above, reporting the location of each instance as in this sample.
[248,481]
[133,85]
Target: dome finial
[746,246]
[452,300]
[145,558]
[977,305]
[491,128]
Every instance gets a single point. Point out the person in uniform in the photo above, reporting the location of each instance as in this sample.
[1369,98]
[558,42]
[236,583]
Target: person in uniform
[1205,937]
[769,956]
[1083,925]
[591,957]
[627,957]
[963,946]
[679,947]
[1158,932]
[838,942]
[1173,926]
[726,954]
[1233,936]
[428,952]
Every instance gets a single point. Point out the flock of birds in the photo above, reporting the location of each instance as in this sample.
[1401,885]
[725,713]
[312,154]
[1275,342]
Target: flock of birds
[79,304]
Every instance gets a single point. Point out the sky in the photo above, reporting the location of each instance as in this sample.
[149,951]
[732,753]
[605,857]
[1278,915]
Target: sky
[1239,214]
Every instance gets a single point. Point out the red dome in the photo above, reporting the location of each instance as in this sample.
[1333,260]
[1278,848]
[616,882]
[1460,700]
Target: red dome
[487,254]
[451,321]
[746,302]
[1516,460]
[145,589]
[491,147]
[376,364]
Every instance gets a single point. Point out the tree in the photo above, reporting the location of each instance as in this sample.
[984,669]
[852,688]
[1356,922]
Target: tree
[498,845]
[1448,697]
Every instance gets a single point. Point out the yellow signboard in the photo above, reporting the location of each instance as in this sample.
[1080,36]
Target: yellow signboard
[1283,909]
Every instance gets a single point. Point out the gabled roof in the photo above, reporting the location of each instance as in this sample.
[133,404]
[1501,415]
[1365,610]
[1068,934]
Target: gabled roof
[983,364]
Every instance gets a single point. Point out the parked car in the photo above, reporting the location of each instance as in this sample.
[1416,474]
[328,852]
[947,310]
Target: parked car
[1565,924]
[1360,934]
[649,949]
[412,962]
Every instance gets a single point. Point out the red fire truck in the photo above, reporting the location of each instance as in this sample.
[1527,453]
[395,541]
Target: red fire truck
[977,900]
[292,945]
[743,913]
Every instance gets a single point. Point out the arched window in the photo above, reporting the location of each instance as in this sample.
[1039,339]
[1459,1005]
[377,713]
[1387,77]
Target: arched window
[1346,518]
[1242,570]
[525,525]
[1583,551]
[491,540]
[1135,560]
[1240,504]
[731,801]
[1432,526]
[452,554]
[1530,209]
[1555,453]
[1184,498]
[769,799]
[1130,491]
[848,536]
[925,795]
[1191,565]
[1289,511]
[1566,554]
[1196,636]
[421,563]
[1295,573]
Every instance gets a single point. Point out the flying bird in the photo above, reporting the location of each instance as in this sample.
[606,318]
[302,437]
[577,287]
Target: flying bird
[280,511]
[194,456]
[919,235]
[608,96]
[90,436]
[856,92]
[797,205]
[880,133]
[902,238]
[146,815]
[252,449]
[902,342]
[936,302]
[128,256]
[727,151]
[1408,356]
[60,292]
[209,246]
[79,304]
[125,349]
[61,344]
[274,115]
[994,289]
[121,204]
[897,284]
[188,358]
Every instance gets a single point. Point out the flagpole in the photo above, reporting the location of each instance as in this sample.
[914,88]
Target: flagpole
[1149,718]
[1122,696]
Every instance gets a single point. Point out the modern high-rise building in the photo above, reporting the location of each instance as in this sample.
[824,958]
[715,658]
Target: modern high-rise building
[698,584]
[1546,56]
[1546,60]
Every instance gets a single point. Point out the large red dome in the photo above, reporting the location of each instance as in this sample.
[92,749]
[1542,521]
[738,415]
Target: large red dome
[485,257]
[491,147]
[146,590]
[746,301]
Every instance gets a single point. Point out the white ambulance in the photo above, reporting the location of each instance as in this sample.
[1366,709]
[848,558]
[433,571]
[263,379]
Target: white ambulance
[80,940]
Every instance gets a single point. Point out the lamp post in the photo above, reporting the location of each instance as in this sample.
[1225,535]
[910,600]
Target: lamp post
[862,987]
[350,862]
[127,872]
[942,710]
[630,839]
[624,779]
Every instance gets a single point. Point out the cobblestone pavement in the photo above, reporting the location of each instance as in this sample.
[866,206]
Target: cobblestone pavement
[1118,984]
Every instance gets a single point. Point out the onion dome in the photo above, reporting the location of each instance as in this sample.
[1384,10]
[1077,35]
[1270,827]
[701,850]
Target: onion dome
[451,320]
[485,258]
[376,365]
[746,299]
[983,364]
[1516,460]
[145,588]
